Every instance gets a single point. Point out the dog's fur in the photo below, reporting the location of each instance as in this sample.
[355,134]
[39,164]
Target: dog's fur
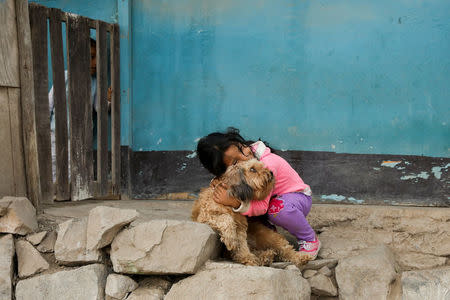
[249,241]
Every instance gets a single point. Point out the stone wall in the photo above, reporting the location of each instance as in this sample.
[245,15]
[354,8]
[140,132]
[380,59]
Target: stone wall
[111,253]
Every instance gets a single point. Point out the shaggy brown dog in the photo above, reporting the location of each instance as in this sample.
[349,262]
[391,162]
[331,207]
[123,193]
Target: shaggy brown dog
[250,243]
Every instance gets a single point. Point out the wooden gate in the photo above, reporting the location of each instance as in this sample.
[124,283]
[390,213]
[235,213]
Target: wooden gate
[74,115]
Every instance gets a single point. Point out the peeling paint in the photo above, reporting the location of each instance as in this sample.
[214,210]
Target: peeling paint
[377,169]
[437,171]
[390,163]
[183,166]
[333,197]
[351,199]
[159,141]
[423,175]
[192,155]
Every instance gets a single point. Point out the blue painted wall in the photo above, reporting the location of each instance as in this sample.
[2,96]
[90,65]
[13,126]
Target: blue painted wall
[345,76]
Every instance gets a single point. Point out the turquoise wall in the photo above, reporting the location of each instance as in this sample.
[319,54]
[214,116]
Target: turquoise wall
[344,76]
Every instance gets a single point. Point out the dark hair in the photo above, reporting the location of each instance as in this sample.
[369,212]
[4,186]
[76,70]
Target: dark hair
[93,42]
[211,148]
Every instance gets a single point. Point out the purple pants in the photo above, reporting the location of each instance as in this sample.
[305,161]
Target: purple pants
[289,211]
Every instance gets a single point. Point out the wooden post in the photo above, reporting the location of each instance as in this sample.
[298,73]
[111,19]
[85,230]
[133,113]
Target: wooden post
[115,109]
[102,110]
[28,103]
[80,107]
[60,106]
[38,21]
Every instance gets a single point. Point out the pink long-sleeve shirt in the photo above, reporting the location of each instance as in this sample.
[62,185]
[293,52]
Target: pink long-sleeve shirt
[287,180]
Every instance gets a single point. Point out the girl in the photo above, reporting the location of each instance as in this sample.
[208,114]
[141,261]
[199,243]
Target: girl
[290,200]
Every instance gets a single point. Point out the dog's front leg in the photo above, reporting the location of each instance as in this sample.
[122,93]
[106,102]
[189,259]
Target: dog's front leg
[226,227]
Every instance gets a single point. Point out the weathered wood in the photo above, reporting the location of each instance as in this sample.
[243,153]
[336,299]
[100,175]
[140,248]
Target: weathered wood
[15,113]
[38,23]
[115,109]
[102,109]
[60,106]
[6,163]
[27,100]
[80,107]
[9,54]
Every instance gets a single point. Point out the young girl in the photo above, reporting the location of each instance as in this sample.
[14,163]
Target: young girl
[290,200]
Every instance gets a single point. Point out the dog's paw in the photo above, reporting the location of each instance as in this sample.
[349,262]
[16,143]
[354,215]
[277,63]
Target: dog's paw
[266,257]
[300,259]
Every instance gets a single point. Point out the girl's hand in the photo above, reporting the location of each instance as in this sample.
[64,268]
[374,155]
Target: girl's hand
[221,196]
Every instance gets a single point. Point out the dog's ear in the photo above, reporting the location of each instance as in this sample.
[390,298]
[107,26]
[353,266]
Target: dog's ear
[242,190]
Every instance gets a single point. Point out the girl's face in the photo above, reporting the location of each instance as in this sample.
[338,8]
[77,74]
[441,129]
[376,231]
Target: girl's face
[237,153]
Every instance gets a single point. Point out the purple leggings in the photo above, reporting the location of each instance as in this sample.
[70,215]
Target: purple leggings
[289,211]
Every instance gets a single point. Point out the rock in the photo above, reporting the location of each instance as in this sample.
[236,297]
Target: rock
[309,273]
[29,259]
[4,208]
[6,265]
[48,244]
[104,223]
[118,286]
[325,271]
[339,243]
[319,263]
[367,275]
[322,285]
[236,281]
[163,247]
[20,217]
[36,238]
[87,283]
[152,288]
[70,245]
[417,261]
[435,243]
[426,284]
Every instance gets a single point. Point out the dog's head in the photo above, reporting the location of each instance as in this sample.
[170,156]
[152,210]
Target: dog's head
[249,180]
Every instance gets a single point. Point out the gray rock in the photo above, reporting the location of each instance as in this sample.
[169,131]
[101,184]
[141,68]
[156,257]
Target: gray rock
[87,283]
[309,273]
[104,223]
[48,243]
[325,271]
[118,286]
[152,288]
[367,275]
[426,284]
[319,263]
[6,265]
[70,245]
[418,261]
[322,285]
[20,217]
[235,281]
[29,259]
[36,238]
[163,247]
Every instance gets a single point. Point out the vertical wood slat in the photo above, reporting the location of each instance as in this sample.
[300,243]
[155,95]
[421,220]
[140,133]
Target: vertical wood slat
[60,106]
[38,23]
[27,100]
[102,109]
[115,109]
[17,142]
[80,107]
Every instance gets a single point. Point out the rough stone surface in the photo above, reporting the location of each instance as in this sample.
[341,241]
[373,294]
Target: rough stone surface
[3,208]
[48,244]
[6,265]
[36,238]
[309,273]
[236,281]
[426,284]
[367,275]
[87,283]
[20,217]
[163,247]
[325,271]
[418,261]
[29,259]
[319,263]
[322,285]
[118,286]
[153,288]
[70,245]
[355,227]
[104,223]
